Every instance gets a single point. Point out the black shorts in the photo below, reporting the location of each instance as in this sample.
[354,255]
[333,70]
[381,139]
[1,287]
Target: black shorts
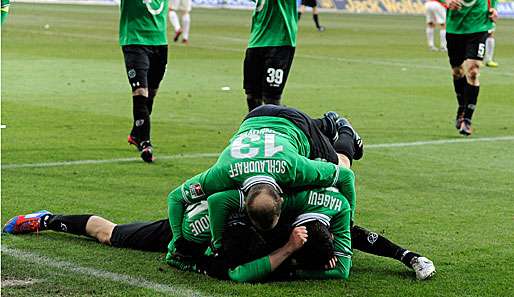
[145,64]
[310,3]
[465,46]
[320,145]
[148,236]
[266,70]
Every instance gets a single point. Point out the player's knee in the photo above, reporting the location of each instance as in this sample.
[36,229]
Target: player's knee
[140,92]
[457,72]
[473,72]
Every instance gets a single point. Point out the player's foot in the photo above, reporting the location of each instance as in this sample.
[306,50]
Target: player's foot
[330,119]
[133,141]
[177,35]
[147,151]
[433,48]
[458,120]
[465,127]
[423,267]
[443,49]
[185,41]
[321,29]
[25,223]
[357,140]
[491,64]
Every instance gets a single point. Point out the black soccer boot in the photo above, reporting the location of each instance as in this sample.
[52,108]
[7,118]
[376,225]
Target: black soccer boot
[132,140]
[147,151]
[329,120]
[342,124]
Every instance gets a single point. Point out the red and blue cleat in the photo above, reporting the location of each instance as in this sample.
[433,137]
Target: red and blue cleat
[28,223]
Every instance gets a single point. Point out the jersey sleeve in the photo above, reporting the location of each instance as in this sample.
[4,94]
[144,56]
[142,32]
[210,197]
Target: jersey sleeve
[221,205]
[253,271]
[323,174]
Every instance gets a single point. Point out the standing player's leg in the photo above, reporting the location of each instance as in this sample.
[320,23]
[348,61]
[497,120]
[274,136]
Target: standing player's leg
[489,50]
[172,14]
[373,243]
[441,20]
[301,11]
[456,54]
[315,16]
[185,8]
[253,70]
[277,61]
[430,14]
[137,63]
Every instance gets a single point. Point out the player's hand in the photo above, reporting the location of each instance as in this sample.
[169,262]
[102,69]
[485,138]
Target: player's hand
[493,14]
[297,238]
[332,263]
[454,4]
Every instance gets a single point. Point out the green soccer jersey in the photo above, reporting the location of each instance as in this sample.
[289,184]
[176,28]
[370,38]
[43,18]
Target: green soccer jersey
[143,22]
[325,205]
[265,150]
[5,10]
[274,23]
[473,17]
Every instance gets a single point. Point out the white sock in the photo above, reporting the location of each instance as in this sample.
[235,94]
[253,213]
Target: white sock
[186,21]
[442,35]
[174,20]
[489,49]
[430,36]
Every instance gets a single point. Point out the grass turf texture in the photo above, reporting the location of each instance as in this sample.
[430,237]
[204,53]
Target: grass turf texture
[65,97]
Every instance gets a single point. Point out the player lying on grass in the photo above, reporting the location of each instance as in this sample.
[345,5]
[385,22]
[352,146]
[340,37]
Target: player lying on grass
[277,146]
[261,252]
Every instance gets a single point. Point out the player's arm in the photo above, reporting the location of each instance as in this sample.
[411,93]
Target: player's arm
[220,205]
[323,174]
[261,268]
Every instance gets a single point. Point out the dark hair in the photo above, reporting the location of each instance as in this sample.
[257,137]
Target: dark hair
[263,217]
[319,248]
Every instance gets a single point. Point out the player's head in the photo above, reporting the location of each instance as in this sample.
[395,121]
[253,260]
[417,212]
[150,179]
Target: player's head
[319,248]
[263,205]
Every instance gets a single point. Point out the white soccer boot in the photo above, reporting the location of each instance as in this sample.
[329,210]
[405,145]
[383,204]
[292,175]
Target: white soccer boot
[423,267]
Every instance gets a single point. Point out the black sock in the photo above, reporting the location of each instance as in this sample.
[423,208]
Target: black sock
[373,243]
[459,85]
[471,97]
[253,102]
[141,127]
[316,20]
[74,224]
[344,144]
[299,15]
[149,100]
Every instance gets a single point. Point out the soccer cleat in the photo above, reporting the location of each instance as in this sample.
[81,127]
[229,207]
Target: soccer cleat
[147,151]
[465,127]
[458,120]
[423,267]
[491,64]
[357,140]
[185,41]
[443,49]
[433,48]
[28,223]
[133,141]
[177,35]
[330,119]
[321,29]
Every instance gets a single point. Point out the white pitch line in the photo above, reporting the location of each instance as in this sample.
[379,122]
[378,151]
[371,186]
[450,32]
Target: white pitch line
[98,273]
[213,155]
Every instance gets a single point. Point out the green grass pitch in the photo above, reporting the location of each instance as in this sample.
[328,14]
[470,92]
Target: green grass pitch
[65,97]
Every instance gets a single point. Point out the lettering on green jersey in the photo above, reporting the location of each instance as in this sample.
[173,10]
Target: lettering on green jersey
[325,200]
[200,225]
[244,145]
[262,166]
